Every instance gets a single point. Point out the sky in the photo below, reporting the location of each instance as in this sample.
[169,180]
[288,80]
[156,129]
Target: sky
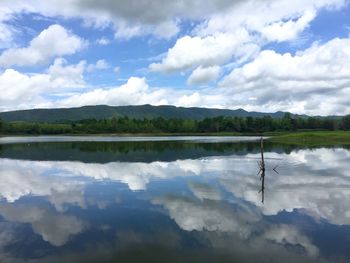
[259,55]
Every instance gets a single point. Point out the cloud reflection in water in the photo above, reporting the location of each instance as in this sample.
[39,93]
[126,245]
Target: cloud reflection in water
[220,194]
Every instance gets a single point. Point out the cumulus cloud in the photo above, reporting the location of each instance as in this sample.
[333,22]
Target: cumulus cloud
[134,91]
[8,32]
[194,99]
[189,52]
[203,75]
[20,90]
[167,29]
[222,33]
[103,41]
[6,35]
[127,16]
[64,75]
[316,76]
[289,30]
[151,11]
[51,42]
[99,65]
[237,33]
[25,90]
[256,16]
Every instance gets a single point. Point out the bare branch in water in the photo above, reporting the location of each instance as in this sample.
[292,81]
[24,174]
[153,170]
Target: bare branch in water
[262,170]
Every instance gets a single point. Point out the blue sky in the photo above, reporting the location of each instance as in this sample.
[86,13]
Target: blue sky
[258,55]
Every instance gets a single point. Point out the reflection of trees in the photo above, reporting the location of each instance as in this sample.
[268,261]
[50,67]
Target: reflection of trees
[104,152]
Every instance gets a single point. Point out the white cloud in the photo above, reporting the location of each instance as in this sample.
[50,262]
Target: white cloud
[125,30]
[103,41]
[191,100]
[99,65]
[288,30]
[62,80]
[6,35]
[236,33]
[129,18]
[135,18]
[189,52]
[203,75]
[220,32]
[134,91]
[167,29]
[51,42]
[22,91]
[316,76]
[63,75]
[255,16]
[7,31]
[102,64]
[19,90]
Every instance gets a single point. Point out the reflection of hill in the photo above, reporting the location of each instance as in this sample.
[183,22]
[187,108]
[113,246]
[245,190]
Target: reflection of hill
[103,152]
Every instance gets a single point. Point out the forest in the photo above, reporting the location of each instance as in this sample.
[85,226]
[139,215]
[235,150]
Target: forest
[249,125]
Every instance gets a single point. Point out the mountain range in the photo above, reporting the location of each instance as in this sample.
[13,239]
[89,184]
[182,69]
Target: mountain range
[135,111]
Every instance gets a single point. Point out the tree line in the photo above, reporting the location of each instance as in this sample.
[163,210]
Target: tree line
[161,125]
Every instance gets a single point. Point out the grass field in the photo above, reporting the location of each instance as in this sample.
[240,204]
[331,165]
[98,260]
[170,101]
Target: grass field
[313,138]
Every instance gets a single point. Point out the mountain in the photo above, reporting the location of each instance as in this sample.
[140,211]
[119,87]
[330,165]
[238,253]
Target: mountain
[139,111]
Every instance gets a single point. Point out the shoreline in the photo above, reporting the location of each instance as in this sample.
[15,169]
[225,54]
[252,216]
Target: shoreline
[301,138]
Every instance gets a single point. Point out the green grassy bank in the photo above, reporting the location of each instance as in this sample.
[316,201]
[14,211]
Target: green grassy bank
[313,138]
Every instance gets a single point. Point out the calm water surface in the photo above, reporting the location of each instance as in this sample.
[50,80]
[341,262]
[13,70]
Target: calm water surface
[183,199]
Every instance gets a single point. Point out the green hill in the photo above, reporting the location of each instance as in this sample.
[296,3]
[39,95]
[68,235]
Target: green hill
[139,111]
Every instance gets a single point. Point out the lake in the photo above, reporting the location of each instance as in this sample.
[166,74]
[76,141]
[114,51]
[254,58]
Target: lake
[172,199]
